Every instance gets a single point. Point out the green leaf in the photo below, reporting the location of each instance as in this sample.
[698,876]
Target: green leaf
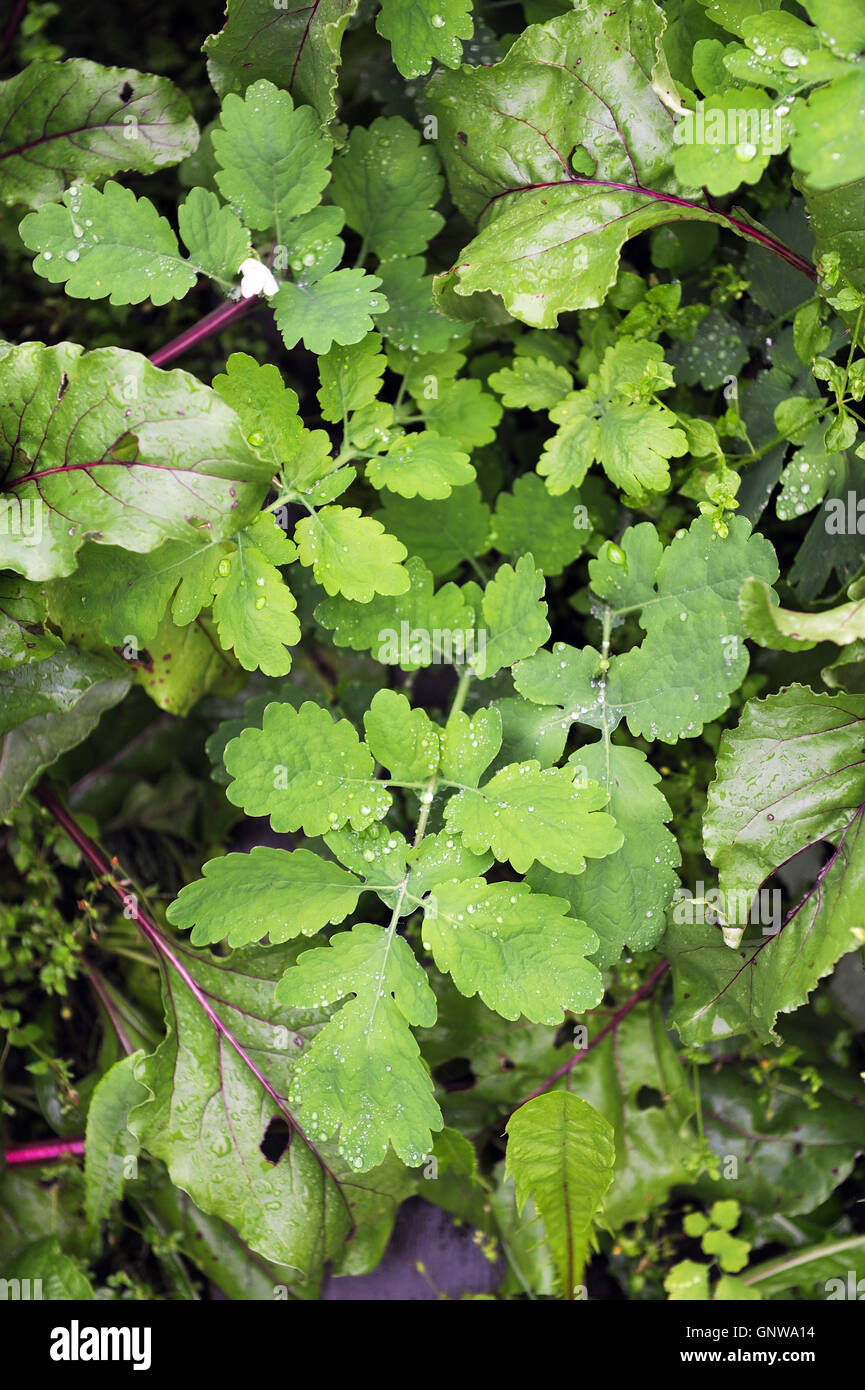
[624,895]
[305,771]
[441,533]
[123,597]
[116,246]
[351,554]
[529,518]
[274,158]
[268,412]
[411,630]
[693,655]
[770,1132]
[109,448]
[412,322]
[51,715]
[656,1141]
[387,183]
[402,739]
[561,1152]
[23,612]
[253,608]
[128,253]
[788,631]
[207,1100]
[214,236]
[527,813]
[518,950]
[532,383]
[312,246]
[809,1270]
[423,30]
[350,377]
[788,776]
[52,686]
[613,422]
[109,1145]
[464,411]
[708,158]
[290,45]
[732,1253]
[338,308]
[184,664]
[269,892]
[601,104]
[688,1282]
[76,120]
[364,1075]
[58,1276]
[515,614]
[826,146]
[421,465]
[469,745]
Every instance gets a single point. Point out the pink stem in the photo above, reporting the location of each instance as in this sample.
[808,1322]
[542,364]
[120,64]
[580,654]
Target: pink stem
[161,945]
[214,322]
[657,974]
[43,1151]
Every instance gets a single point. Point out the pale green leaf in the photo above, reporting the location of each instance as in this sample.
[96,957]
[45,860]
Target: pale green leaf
[561,1152]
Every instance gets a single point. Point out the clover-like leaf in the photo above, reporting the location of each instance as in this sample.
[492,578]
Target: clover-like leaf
[274,158]
[387,183]
[350,377]
[519,950]
[351,554]
[363,1075]
[253,608]
[422,30]
[277,893]
[529,519]
[305,771]
[412,322]
[624,895]
[708,158]
[108,244]
[693,655]
[402,739]
[527,813]
[615,422]
[421,465]
[441,533]
[515,616]
[532,383]
[338,308]
[412,629]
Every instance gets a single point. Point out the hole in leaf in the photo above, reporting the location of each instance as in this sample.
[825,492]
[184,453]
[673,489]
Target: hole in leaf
[277,1138]
[127,92]
[648,1098]
[455,1074]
